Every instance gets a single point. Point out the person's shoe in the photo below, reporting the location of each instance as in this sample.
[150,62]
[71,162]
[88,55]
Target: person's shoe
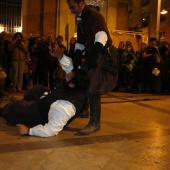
[84,114]
[90,128]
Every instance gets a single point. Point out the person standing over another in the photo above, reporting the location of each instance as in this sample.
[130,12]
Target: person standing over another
[93,37]
[44,112]
[19,55]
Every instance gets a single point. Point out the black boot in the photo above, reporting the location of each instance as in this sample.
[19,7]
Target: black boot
[95,109]
[84,112]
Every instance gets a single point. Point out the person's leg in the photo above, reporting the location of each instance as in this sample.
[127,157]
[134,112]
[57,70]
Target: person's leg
[84,112]
[95,111]
[25,81]
[2,94]
[21,66]
[14,75]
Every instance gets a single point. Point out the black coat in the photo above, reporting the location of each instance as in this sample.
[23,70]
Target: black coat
[93,22]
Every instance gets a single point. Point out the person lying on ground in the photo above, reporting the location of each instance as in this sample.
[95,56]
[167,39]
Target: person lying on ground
[44,113]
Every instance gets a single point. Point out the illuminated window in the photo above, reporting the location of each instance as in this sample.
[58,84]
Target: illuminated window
[10,15]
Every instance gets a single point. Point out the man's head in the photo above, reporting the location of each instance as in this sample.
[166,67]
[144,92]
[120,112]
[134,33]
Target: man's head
[18,36]
[76,6]
[153,41]
[59,39]
[121,45]
[128,47]
[31,34]
[78,80]
[143,45]
[3,34]
[43,38]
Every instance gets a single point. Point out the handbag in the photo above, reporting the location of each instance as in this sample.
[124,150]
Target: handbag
[110,64]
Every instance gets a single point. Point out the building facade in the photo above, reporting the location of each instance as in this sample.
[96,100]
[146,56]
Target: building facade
[126,19]
[53,16]
[145,16]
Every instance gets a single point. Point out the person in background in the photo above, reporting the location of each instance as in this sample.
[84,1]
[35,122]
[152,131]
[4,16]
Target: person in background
[119,52]
[3,65]
[53,62]
[72,47]
[31,43]
[128,64]
[59,41]
[19,56]
[139,54]
[43,53]
[59,73]
[93,37]
[34,63]
[152,59]
[26,73]
[4,47]
[120,49]
[164,49]
[138,71]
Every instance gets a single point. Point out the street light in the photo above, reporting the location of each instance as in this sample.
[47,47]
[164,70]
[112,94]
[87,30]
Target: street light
[158,19]
[164,11]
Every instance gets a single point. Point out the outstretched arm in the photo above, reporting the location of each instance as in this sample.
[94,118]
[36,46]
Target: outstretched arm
[60,112]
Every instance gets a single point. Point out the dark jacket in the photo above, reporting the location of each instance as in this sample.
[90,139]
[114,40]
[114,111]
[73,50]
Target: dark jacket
[18,52]
[32,110]
[93,22]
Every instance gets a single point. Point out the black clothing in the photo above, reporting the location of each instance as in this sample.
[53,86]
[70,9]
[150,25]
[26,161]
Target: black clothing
[36,110]
[101,82]
[71,51]
[46,65]
[93,22]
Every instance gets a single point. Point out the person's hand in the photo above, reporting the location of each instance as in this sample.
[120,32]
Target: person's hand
[22,129]
[57,52]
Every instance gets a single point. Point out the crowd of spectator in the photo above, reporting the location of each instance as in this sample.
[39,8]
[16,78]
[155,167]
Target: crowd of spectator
[146,70]
[27,62]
